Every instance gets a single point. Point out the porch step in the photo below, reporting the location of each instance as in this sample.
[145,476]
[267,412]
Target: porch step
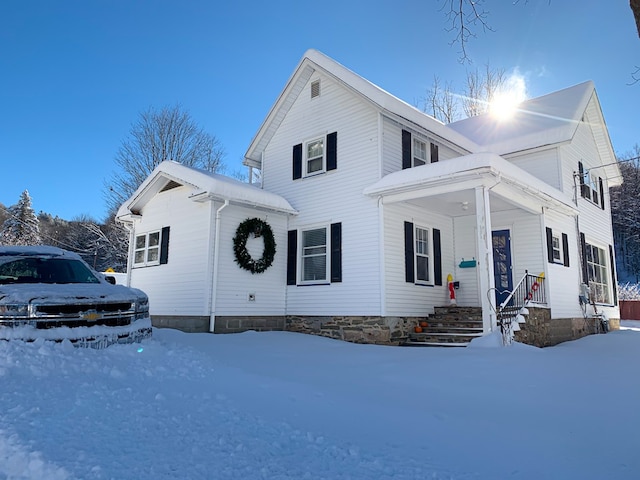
[449,327]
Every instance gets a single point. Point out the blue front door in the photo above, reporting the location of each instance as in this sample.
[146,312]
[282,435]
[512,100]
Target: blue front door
[502,265]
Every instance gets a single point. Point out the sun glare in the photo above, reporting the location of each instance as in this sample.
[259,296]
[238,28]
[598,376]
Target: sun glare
[505,102]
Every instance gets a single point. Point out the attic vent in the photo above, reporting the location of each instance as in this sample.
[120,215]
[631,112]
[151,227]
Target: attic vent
[315,89]
[170,185]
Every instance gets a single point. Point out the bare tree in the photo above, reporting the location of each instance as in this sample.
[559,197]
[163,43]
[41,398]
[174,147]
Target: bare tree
[635,8]
[166,134]
[440,102]
[481,88]
[464,17]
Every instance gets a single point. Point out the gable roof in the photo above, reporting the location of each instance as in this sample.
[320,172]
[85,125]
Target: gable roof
[548,120]
[204,186]
[379,98]
[540,121]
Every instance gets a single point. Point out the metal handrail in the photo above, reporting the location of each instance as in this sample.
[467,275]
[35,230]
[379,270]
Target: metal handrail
[530,288]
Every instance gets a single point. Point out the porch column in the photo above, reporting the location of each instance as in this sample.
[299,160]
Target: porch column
[485,257]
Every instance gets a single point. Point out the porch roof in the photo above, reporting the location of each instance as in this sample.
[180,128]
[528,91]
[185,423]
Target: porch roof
[490,170]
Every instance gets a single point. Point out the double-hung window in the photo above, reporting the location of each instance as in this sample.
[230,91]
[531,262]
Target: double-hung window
[147,249]
[419,153]
[422,255]
[597,274]
[591,187]
[314,161]
[314,255]
[556,246]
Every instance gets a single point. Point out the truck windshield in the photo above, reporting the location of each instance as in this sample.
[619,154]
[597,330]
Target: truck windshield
[46,270]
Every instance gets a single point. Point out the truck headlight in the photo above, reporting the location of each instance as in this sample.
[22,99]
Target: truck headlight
[142,305]
[14,310]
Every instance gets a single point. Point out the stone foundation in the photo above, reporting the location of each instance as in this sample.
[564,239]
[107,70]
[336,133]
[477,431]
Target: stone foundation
[542,331]
[356,329]
[243,324]
[190,324]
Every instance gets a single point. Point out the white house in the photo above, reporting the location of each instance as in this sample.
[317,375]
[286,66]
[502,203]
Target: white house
[373,205]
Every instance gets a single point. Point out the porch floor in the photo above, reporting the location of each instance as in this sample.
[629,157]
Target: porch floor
[449,327]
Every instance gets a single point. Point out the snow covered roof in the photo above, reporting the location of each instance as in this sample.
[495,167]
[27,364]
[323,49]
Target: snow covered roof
[467,172]
[540,121]
[205,186]
[314,60]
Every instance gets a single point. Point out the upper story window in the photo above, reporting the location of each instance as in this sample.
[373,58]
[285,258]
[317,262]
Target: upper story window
[419,152]
[416,151]
[591,186]
[147,249]
[315,156]
[314,161]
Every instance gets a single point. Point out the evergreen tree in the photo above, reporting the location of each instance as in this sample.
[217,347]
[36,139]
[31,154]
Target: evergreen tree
[21,227]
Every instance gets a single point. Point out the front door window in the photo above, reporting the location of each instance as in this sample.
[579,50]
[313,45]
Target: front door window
[502,265]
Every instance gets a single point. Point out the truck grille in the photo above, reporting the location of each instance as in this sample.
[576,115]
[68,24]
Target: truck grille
[84,315]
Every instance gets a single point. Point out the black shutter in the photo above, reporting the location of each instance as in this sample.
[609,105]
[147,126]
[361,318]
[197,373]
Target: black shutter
[332,151]
[292,255]
[549,245]
[297,161]
[434,153]
[583,247]
[164,245]
[408,252]
[565,249]
[612,261]
[336,252]
[601,193]
[406,150]
[437,261]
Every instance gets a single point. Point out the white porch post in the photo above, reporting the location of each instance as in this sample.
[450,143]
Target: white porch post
[485,257]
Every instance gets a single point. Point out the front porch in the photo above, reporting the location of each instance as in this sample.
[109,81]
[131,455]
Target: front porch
[493,215]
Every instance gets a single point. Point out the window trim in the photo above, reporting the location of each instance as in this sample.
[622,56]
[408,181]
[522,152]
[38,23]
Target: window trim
[300,255]
[555,236]
[414,153]
[146,262]
[429,255]
[605,273]
[306,159]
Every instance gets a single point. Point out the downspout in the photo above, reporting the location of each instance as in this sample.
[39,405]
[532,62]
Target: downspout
[381,256]
[131,228]
[216,257]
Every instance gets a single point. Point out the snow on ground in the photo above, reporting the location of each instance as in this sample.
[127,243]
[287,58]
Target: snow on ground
[280,405]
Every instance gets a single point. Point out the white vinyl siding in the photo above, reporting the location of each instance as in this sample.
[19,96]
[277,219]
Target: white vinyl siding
[543,164]
[235,285]
[333,197]
[413,299]
[180,286]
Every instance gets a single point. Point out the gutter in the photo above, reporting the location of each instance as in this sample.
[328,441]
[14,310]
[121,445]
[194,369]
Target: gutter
[216,258]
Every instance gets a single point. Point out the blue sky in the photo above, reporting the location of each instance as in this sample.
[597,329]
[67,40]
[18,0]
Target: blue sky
[74,75]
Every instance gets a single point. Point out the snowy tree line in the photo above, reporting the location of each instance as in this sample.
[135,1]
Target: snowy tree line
[625,213]
[102,245]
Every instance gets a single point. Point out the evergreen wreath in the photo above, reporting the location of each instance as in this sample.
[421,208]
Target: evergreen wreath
[259,228]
